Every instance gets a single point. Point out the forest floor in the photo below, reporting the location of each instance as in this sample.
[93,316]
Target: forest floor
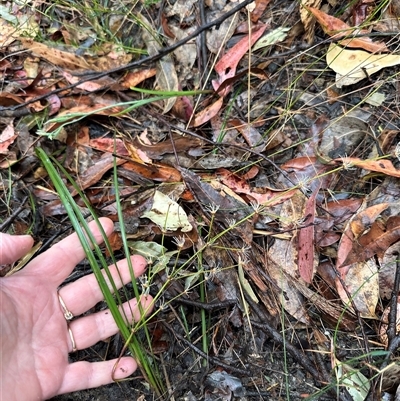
[256,149]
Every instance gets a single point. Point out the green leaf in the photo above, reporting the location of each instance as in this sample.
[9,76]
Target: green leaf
[152,251]
[355,382]
[275,36]
[246,285]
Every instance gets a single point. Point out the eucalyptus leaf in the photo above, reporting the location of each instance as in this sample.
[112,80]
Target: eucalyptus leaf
[355,382]
[191,280]
[246,285]
[167,214]
[167,78]
[149,250]
[272,37]
[153,252]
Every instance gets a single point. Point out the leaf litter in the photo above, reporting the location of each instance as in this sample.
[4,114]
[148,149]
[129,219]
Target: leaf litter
[268,202]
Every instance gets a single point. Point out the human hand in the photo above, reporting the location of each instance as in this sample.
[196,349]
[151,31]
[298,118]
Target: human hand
[34,336]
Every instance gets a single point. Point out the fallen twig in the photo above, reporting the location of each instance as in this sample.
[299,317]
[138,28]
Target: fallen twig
[209,358]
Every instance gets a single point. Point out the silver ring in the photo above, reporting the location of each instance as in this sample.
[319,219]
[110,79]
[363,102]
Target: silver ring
[67,313]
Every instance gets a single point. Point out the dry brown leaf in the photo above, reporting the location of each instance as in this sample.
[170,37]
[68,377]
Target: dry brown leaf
[342,209]
[217,37]
[14,24]
[386,139]
[336,28]
[8,160]
[226,190]
[226,66]
[375,242]
[185,56]
[326,228]
[176,143]
[299,163]
[362,284]
[283,256]
[90,86]
[111,145]
[167,79]
[363,220]
[134,78]
[281,263]
[259,9]
[57,57]
[266,196]
[355,227]
[165,27]
[155,172]
[8,33]
[207,113]
[7,137]
[379,166]
[115,241]
[308,18]
[251,173]
[9,99]
[307,255]
[360,278]
[387,271]
[94,173]
[251,134]
[103,107]
[333,95]
[115,57]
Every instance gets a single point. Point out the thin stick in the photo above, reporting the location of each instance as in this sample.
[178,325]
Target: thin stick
[5,224]
[209,358]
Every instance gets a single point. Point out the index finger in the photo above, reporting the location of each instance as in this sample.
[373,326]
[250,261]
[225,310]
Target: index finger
[57,263]
[14,247]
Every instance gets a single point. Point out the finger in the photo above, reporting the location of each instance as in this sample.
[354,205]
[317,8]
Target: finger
[83,375]
[93,328]
[14,247]
[57,263]
[84,293]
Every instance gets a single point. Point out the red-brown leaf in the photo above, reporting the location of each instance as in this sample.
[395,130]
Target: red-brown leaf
[226,67]
[335,27]
[259,9]
[374,242]
[379,166]
[267,196]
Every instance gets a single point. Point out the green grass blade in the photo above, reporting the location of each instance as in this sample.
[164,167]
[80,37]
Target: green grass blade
[97,262]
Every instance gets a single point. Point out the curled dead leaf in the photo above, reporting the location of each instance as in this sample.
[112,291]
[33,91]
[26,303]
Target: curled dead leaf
[207,113]
[379,166]
[57,57]
[335,27]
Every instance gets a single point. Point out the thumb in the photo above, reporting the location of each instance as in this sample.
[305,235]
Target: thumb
[14,247]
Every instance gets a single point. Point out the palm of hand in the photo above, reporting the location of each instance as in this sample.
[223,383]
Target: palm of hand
[37,337]
[34,332]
